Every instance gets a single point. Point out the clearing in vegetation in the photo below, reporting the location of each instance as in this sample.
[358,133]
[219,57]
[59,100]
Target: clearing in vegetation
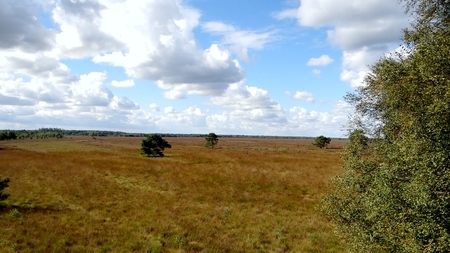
[246,195]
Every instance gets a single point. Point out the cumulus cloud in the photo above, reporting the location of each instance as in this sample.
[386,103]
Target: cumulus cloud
[82,32]
[246,107]
[161,47]
[154,107]
[150,40]
[302,95]
[360,28]
[313,123]
[20,29]
[155,43]
[323,60]
[174,94]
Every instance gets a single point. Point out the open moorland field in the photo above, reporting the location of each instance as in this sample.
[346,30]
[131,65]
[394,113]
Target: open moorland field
[245,195]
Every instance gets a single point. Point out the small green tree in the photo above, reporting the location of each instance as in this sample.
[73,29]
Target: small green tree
[154,145]
[211,140]
[3,185]
[322,141]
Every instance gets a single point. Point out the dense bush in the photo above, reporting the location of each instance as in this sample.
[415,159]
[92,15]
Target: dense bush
[322,141]
[394,195]
[154,145]
[211,140]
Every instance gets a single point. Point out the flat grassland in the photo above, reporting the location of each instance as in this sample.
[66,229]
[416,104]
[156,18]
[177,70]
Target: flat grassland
[245,195]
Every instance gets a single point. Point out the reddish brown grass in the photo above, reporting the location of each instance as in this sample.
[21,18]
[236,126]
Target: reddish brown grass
[245,195]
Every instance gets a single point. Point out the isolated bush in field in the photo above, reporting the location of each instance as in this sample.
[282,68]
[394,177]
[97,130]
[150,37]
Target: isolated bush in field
[3,185]
[154,145]
[321,141]
[394,195]
[211,140]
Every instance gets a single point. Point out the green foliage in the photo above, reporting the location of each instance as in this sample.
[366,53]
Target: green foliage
[7,135]
[211,140]
[394,195]
[321,141]
[3,185]
[153,145]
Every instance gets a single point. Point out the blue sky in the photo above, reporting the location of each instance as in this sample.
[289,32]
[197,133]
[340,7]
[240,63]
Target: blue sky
[190,66]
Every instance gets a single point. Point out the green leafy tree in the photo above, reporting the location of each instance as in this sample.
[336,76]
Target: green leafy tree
[211,140]
[321,141]
[154,145]
[394,195]
[3,185]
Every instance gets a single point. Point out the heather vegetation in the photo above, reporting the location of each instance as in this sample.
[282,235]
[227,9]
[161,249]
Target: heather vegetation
[245,195]
[3,185]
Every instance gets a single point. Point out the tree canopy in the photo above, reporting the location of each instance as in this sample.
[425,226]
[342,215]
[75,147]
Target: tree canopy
[211,140]
[154,145]
[321,141]
[394,195]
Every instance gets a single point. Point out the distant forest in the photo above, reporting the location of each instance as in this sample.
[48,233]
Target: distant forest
[44,133]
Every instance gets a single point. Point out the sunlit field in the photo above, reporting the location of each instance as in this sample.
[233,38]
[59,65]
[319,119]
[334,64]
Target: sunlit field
[245,195]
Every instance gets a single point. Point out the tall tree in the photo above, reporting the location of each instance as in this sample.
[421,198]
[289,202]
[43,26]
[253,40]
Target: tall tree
[394,195]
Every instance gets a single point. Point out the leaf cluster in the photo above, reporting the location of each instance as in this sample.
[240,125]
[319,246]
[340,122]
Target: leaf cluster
[394,195]
[211,140]
[321,141]
[154,145]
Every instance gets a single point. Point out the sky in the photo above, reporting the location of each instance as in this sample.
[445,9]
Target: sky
[244,67]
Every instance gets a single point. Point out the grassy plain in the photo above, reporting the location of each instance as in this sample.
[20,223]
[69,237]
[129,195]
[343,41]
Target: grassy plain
[246,195]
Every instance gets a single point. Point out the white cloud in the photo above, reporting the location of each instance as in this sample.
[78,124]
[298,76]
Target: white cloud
[20,29]
[151,40]
[323,60]
[160,46]
[364,30]
[239,40]
[82,31]
[302,95]
[286,14]
[169,109]
[154,107]
[247,107]
[313,123]
[316,72]
[174,94]
[371,22]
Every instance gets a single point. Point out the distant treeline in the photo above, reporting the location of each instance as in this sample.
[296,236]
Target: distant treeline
[44,133]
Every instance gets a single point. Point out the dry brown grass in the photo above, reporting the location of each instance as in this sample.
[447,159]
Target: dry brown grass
[245,195]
